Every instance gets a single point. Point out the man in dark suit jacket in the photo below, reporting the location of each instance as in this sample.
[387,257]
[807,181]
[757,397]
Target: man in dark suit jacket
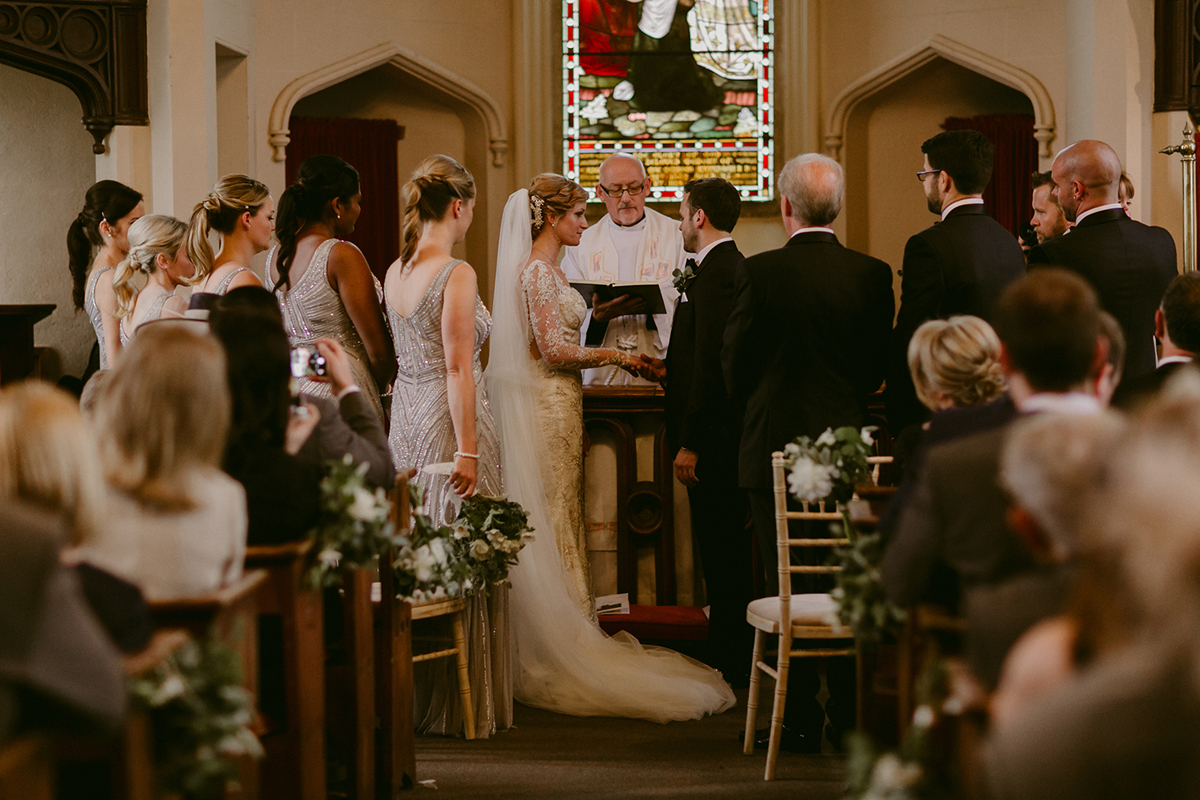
[1177,326]
[960,265]
[1128,263]
[952,534]
[805,346]
[702,426]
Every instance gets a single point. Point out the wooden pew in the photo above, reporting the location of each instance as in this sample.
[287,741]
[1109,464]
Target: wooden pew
[350,683]
[294,768]
[397,759]
[137,773]
[231,615]
[26,769]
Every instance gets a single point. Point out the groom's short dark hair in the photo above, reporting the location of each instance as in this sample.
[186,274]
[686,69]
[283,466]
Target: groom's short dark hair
[717,198]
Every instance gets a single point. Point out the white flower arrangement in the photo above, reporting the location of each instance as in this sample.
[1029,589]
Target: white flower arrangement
[428,566]
[489,533]
[353,528]
[830,467]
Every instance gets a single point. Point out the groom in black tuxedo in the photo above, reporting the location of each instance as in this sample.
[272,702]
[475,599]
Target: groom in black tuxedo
[805,346]
[702,427]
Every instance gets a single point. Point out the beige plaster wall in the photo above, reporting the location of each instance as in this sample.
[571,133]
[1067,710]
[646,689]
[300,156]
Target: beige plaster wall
[48,166]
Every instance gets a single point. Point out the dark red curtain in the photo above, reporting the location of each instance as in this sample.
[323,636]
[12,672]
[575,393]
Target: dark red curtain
[369,145]
[1009,194]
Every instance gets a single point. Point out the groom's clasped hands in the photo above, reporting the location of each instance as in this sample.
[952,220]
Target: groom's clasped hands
[650,368]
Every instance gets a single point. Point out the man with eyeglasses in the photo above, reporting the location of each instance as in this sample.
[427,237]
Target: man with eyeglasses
[959,265]
[630,243]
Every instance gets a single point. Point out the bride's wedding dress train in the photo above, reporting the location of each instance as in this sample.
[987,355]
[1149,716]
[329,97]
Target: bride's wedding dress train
[564,661]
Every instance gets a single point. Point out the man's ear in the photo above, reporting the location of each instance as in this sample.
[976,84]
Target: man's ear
[1005,359]
[945,182]
[1025,528]
[1160,325]
[700,217]
[785,206]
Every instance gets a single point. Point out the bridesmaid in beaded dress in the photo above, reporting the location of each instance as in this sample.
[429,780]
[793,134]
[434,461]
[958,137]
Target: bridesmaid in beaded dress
[239,208]
[324,286]
[109,209]
[155,250]
[440,415]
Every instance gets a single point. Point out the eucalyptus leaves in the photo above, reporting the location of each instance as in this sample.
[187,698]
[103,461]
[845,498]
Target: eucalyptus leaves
[353,528]
[489,533]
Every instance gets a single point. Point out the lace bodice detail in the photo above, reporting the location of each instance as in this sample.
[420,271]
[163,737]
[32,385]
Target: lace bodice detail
[94,313]
[420,352]
[556,313]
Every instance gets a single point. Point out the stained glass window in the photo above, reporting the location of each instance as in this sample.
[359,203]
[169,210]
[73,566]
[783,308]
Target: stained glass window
[685,85]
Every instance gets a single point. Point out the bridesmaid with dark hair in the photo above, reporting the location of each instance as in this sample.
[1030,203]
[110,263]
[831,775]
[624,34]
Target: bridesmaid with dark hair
[324,286]
[109,209]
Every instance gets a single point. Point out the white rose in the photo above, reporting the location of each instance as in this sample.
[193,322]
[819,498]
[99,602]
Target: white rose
[423,563]
[438,548]
[461,529]
[791,449]
[866,437]
[826,439]
[329,557]
[480,550]
[809,482]
[364,507]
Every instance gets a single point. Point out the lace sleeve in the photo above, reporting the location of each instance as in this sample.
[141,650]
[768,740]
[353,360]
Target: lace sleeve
[541,287]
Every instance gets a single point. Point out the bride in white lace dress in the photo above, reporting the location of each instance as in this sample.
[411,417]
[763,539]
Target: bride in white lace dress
[565,662]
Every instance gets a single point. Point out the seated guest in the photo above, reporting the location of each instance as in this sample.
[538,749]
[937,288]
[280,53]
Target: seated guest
[1047,466]
[282,492]
[58,670]
[1128,725]
[1177,327]
[48,459]
[345,425]
[953,530]
[176,525]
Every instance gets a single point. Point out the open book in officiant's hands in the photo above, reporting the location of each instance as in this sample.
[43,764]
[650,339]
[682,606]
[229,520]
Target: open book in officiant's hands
[648,292]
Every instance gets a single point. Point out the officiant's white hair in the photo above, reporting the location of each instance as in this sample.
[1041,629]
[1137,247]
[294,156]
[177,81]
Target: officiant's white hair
[814,184]
[629,156]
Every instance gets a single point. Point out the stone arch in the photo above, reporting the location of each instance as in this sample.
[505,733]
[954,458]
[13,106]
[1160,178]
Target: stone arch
[942,47]
[418,66]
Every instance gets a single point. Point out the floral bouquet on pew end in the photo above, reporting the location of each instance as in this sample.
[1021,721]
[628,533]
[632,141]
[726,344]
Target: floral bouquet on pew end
[830,467]
[488,535]
[354,527]
[428,566]
[201,716]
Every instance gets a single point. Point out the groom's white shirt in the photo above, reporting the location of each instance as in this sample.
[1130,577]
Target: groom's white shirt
[650,250]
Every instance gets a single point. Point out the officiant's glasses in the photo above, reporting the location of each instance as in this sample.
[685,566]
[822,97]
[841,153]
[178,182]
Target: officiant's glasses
[921,175]
[617,191]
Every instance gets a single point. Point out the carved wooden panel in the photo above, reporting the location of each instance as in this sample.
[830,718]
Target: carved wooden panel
[1177,55]
[97,48]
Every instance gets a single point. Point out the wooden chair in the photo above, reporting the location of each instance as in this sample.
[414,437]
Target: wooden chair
[456,607]
[924,626]
[791,617]
[396,756]
[26,769]
[231,615]
[294,768]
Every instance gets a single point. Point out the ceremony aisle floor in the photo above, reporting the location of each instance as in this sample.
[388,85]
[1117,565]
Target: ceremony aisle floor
[549,755]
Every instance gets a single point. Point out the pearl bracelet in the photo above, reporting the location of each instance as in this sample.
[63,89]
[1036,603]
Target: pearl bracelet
[460,454]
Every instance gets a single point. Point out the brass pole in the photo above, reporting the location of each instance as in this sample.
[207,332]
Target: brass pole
[1187,149]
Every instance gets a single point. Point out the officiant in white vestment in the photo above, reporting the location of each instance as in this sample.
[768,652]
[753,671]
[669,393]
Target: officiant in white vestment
[630,243]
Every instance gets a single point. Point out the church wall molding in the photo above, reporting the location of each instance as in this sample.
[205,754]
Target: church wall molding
[409,62]
[942,47]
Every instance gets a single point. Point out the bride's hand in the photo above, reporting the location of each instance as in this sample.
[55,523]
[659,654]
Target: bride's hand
[462,479]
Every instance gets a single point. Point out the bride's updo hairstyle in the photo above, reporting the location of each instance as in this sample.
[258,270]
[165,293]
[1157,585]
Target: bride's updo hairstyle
[436,183]
[322,180]
[550,193]
[957,359]
[106,201]
[233,196]
[151,236]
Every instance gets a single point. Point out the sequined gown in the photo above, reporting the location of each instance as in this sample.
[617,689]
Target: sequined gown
[313,310]
[556,312]
[422,434]
[93,311]
[153,312]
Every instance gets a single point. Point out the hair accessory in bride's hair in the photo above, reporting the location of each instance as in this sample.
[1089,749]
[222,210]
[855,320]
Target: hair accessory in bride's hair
[536,204]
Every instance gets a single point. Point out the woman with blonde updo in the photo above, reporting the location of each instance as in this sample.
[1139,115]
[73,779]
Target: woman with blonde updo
[955,362]
[441,416]
[176,524]
[240,209]
[564,661]
[156,252]
[324,285]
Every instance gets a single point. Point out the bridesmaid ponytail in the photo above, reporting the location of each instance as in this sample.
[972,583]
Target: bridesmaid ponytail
[105,201]
[233,196]
[149,237]
[322,179]
[435,184]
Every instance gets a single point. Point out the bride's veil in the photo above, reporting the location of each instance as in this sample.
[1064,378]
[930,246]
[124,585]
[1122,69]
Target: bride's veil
[564,661]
